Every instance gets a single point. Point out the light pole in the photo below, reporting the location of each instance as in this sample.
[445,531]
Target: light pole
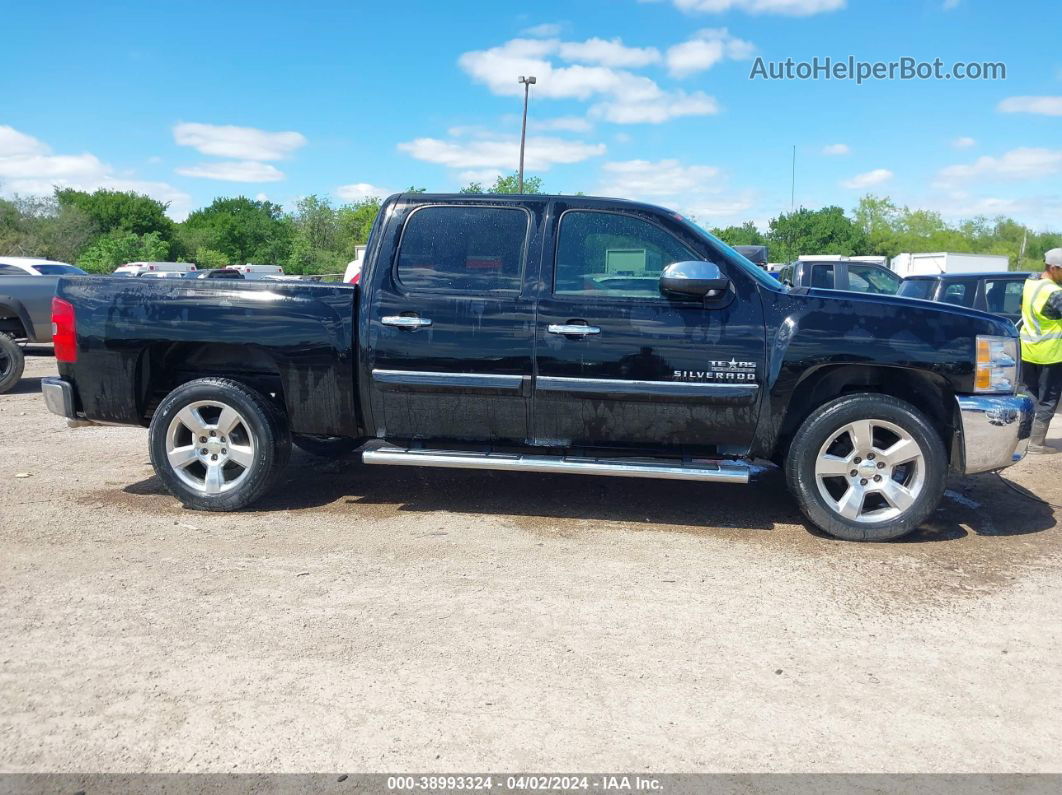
[527,82]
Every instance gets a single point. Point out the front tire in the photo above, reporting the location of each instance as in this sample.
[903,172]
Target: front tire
[12,363]
[867,467]
[217,444]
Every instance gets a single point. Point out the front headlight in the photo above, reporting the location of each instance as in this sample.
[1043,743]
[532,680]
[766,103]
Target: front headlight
[997,364]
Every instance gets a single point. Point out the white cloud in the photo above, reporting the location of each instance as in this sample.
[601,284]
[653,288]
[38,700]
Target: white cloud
[502,154]
[963,142]
[950,4]
[14,143]
[623,96]
[1045,106]
[868,179]
[698,191]
[1022,163]
[242,143]
[27,166]
[644,178]
[359,191]
[546,30]
[664,106]
[561,123]
[704,50]
[796,8]
[836,150]
[607,53]
[234,171]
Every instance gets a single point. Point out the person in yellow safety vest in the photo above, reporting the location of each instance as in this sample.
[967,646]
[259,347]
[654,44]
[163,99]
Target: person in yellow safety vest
[1041,345]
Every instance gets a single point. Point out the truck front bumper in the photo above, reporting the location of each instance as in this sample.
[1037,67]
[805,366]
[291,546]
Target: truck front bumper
[994,430]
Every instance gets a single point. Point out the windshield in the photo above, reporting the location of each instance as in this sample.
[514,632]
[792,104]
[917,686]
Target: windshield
[734,258]
[916,288]
[58,270]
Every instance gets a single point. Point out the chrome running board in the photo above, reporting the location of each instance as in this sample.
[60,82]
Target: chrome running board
[666,469]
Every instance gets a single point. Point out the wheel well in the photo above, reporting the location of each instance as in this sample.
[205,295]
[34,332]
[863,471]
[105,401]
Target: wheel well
[166,365]
[927,392]
[11,323]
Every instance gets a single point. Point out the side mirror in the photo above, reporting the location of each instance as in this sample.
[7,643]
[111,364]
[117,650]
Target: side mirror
[695,278]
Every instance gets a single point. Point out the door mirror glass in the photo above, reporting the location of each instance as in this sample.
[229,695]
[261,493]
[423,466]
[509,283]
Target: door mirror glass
[694,278]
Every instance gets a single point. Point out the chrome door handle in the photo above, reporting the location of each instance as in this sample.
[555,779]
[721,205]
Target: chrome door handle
[573,329]
[405,321]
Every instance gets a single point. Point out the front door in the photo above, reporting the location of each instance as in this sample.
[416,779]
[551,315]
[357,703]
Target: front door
[619,364]
[451,334]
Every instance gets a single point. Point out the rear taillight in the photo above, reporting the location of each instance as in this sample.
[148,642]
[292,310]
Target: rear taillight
[64,330]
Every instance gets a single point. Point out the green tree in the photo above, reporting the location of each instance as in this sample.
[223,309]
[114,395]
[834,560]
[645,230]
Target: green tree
[509,184]
[825,231]
[244,230]
[745,235]
[35,226]
[112,210]
[355,221]
[209,258]
[116,248]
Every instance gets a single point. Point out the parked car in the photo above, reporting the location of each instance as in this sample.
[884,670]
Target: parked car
[487,333]
[757,255]
[214,273]
[31,266]
[141,268]
[25,316]
[997,293]
[841,274]
[251,271]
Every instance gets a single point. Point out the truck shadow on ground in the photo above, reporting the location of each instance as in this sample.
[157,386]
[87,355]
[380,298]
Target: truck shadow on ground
[25,386]
[982,505]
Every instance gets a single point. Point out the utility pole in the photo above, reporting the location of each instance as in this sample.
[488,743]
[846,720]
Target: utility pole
[527,82]
[792,184]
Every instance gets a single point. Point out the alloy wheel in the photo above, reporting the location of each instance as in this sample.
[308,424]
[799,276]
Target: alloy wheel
[210,447]
[870,471]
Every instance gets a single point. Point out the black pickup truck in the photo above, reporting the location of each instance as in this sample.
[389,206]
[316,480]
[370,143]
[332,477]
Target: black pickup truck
[562,334]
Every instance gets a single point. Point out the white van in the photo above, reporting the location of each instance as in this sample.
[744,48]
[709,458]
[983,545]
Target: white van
[140,268]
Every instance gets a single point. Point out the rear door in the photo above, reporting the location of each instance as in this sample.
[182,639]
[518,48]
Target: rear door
[450,326]
[1002,296]
[617,363]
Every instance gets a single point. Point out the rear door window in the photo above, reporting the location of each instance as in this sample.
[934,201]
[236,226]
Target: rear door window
[463,249]
[959,293]
[1003,296]
[917,288]
[822,275]
[868,279]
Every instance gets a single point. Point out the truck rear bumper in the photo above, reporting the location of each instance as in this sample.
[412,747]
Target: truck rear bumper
[58,397]
[995,430]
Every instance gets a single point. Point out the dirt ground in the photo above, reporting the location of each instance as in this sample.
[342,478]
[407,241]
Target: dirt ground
[392,619]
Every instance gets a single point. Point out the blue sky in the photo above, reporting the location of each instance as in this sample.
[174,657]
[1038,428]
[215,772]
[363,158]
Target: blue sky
[649,100]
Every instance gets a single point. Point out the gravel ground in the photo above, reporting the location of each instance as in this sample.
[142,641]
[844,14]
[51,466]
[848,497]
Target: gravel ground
[387,619]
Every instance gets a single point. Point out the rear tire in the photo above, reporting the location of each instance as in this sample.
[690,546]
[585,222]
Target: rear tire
[867,467]
[12,363]
[217,444]
[326,446]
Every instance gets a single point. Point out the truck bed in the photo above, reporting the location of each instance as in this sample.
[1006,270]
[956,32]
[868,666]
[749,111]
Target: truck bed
[138,338]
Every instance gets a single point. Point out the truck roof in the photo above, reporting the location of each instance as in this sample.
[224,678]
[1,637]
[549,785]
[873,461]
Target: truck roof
[516,198]
[952,276]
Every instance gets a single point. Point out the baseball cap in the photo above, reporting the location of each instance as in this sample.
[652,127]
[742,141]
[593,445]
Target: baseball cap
[1054,257]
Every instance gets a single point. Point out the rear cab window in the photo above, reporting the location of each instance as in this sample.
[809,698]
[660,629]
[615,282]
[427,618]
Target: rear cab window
[917,288]
[461,248]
